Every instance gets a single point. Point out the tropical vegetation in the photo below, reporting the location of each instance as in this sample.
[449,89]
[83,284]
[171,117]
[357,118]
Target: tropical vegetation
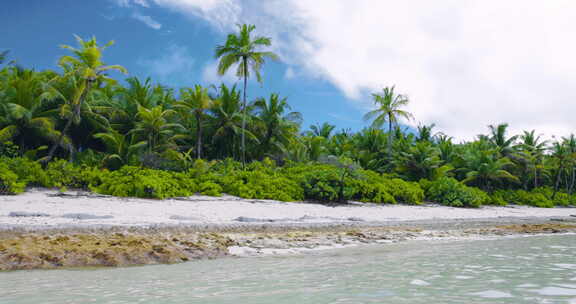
[78,127]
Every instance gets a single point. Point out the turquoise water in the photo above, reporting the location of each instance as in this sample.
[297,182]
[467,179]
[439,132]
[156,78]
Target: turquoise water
[540,269]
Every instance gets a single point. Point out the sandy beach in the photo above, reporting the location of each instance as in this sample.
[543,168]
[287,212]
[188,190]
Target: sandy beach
[48,229]
[40,208]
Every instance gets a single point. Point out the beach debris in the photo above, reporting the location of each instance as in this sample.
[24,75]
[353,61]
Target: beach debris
[185,218]
[86,216]
[27,214]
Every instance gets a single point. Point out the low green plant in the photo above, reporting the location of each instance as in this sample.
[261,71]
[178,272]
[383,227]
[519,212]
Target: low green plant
[450,192]
[9,183]
[132,181]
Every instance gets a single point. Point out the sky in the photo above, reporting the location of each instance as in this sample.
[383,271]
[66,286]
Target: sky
[464,64]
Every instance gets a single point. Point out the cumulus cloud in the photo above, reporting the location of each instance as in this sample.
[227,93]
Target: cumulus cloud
[463,63]
[147,20]
[174,67]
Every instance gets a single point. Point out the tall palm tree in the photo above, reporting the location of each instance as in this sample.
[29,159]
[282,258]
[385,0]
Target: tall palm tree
[86,64]
[389,110]
[242,49]
[198,102]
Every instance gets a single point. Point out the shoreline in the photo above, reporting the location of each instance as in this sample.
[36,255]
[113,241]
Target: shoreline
[51,230]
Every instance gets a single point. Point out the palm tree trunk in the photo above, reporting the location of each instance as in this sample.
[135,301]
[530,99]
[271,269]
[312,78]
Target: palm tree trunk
[58,142]
[77,110]
[245,63]
[557,184]
[572,181]
[390,137]
[198,136]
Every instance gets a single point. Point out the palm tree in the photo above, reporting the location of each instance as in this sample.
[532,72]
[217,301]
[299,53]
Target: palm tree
[119,147]
[389,110]
[87,66]
[25,113]
[484,167]
[322,130]
[155,127]
[425,132]
[241,49]
[500,140]
[530,157]
[227,119]
[278,126]
[198,102]
[3,56]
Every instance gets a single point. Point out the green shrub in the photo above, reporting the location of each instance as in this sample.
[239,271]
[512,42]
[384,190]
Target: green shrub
[210,189]
[403,191]
[9,183]
[497,200]
[29,172]
[540,197]
[132,181]
[321,182]
[450,192]
[63,174]
[261,184]
[9,149]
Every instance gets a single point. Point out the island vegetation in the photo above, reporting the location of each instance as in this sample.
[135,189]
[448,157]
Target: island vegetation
[79,128]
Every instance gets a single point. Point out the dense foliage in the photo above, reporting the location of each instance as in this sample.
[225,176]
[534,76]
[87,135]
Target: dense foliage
[79,128]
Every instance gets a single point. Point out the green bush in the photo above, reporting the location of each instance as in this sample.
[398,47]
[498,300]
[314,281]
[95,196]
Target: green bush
[132,181]
[210,189]
[321,182]
[63,174]
[450,192]
[539,197]
[29,172]
[260,184]
[9,183]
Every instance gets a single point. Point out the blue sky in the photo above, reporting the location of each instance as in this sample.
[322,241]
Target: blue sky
[463,64]
[175,50]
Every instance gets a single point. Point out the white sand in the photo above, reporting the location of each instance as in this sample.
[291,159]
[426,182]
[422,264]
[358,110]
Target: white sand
[225,210]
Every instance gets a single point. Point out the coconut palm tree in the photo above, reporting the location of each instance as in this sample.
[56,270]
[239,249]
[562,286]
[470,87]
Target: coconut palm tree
[227,118]
[389,110]
[322,130]
[25,113]
[243,50]
[500,140]
[277,125]
[85,64]
[196,101]
[155,127]
[484,167]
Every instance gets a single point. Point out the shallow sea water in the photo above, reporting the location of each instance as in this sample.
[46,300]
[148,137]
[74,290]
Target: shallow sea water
[537,269]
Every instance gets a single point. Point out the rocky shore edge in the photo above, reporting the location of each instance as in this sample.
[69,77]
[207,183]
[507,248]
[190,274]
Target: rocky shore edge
[119,246]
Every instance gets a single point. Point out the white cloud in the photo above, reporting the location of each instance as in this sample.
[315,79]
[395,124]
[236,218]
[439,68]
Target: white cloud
[129,3]
[143,3]
[210,75]
[463,63]
[147,20]
[174,67]
[221,13]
